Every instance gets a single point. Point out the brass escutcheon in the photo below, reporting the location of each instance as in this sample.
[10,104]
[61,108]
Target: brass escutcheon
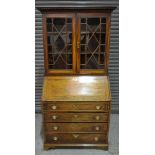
[55,138]
[97,128]
[54,107]
[75,136]
[97,117]
[55,128]
[54,117]
[98,107]
[96,138]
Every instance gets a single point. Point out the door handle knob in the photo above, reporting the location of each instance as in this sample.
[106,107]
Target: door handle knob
[78,44]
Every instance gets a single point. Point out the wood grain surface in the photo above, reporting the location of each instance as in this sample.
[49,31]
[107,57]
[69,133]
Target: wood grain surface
[73,106]
[76,127]
[76,102]
[76,88]
[76,138]
[75,117]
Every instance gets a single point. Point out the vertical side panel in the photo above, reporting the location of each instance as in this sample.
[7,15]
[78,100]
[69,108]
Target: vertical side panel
[107,43]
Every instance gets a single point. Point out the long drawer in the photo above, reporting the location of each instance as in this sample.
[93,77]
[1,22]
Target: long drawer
[77,106]
[75,138]
[76,127]
[75,117]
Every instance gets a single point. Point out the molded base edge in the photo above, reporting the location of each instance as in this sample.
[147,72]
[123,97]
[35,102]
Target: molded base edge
[96,146]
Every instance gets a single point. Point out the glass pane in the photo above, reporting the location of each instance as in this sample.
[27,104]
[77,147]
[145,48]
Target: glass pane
[69,49]
[69,27]
[69,38]
[102,49]
[92,43]
[59,43]
[69,20]
[103,20]
[103,28]
[103,38]
[49,24]
[93,23]
[49,49]
[82,58]
[83,38]
[69,59]
[83,20]
[101,58]
[83,49]
[83,28]
[59,23]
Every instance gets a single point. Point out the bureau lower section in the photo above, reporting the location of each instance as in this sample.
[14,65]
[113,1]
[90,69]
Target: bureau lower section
[83,125]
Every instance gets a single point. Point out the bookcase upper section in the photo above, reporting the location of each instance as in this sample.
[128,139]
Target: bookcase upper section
[77,40]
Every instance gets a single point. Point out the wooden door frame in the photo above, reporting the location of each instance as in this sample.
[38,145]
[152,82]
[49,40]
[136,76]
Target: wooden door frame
[45,44]
[75,15]
[107,44]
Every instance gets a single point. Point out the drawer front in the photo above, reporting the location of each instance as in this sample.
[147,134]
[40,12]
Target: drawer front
[76,127]
[77,106]
[76,117]
[76,138]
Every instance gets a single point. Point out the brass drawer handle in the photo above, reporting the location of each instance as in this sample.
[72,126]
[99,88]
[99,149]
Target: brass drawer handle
[54,117]
[54,107]
[75,136]
[98,107]
[97,128]
[55,128]
[97,118]
[96,139]
[55,138]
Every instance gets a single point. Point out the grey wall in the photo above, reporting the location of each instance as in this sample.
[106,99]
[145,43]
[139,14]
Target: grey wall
[114,54]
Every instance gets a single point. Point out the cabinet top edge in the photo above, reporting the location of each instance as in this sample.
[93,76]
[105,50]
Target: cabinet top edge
[77,7]
[74,5]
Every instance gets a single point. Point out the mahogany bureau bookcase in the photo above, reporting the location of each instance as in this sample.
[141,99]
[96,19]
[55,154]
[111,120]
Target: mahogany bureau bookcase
[76,98]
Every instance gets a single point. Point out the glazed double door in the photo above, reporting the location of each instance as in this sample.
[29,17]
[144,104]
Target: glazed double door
[76,43]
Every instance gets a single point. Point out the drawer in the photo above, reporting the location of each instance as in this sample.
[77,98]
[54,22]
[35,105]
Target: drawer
[77,106]
[76,127]
[76,138]
[75,117]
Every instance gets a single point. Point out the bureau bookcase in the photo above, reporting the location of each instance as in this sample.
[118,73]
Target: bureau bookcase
[76,98]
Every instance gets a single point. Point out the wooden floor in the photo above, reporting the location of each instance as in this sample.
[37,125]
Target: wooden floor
[113,141]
